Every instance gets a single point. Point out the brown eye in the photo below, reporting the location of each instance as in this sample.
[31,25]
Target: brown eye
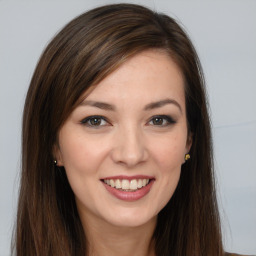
[161,120]
[94,121]
[157,121]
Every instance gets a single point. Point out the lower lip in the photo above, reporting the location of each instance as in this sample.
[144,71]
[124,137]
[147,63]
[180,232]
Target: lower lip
[129,195]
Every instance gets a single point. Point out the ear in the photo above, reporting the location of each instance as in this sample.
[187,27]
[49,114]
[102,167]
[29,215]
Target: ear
[57,155]
[188,145]
[189,141]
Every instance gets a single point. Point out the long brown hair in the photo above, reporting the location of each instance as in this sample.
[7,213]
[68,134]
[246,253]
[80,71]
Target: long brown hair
[83,53]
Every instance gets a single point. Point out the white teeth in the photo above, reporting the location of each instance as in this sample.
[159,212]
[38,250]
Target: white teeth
[139,184]
[133,184]
[125,184]
[112,183]
[118,184]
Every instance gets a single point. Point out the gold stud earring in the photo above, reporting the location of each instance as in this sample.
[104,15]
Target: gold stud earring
[187,157]
[55,162]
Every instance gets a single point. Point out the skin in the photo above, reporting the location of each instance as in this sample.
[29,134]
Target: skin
[128,142]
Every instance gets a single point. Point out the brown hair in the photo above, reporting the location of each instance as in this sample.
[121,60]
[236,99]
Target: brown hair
[83,53]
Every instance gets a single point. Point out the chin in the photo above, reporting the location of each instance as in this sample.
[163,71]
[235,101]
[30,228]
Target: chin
[131,219]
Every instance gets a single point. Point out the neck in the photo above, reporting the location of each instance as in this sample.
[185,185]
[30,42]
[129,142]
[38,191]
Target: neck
[104,239]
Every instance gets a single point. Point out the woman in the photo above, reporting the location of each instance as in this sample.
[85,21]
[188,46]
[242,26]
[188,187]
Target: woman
[117,155]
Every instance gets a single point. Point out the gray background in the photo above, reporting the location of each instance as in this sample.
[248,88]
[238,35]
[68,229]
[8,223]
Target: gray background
[224,33]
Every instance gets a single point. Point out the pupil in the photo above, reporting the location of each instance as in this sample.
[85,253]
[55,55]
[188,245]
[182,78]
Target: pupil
[158,121]
[95,121]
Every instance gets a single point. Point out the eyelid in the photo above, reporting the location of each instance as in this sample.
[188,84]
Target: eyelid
[170,120]
[87,119]
[167,118]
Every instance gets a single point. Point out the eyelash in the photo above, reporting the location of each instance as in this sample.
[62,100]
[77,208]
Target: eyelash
[90,118]
[167,120]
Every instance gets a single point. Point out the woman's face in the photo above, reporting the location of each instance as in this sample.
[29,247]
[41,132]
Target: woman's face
[123,146]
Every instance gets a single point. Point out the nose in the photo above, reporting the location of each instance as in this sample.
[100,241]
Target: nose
[129,147]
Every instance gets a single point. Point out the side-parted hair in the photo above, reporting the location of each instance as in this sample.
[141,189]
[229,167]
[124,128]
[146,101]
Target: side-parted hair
[81,55]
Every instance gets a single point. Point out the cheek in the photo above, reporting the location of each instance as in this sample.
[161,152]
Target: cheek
[81,160]
[168,156]
[169,152]
[80,154]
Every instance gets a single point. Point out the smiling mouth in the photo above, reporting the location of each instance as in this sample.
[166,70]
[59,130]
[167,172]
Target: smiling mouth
[127,185]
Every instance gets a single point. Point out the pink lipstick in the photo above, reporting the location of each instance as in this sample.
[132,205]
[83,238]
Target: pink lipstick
[128,188]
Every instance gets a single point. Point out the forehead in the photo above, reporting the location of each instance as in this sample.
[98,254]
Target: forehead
[147,76]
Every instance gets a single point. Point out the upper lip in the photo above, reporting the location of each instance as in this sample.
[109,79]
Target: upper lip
[124,177]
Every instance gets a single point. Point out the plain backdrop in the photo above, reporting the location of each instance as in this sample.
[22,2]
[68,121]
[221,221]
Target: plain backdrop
[224,34]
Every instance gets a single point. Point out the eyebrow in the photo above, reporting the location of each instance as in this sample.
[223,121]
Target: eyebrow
[150,106]
[162,103]
[97,104]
